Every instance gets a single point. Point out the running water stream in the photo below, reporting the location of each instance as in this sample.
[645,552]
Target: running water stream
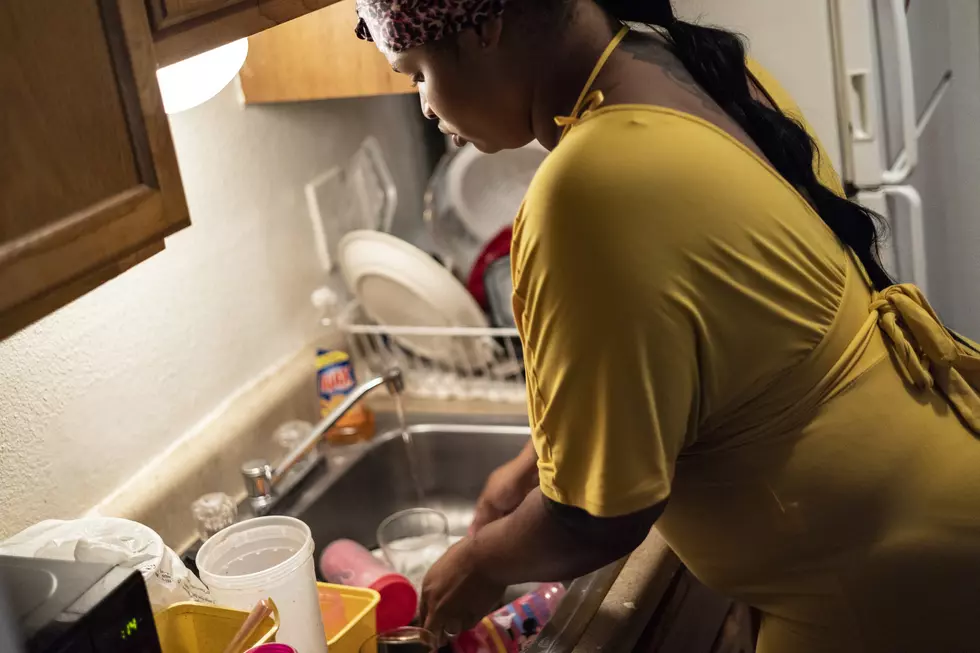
[413,459]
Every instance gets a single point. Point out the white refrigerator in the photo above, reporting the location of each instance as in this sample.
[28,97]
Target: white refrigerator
[891,87]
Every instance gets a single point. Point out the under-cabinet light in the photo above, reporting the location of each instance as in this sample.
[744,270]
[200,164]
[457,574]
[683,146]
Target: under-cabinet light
[196,80]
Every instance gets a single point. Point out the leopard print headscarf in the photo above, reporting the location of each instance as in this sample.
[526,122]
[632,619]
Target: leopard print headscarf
[397,25]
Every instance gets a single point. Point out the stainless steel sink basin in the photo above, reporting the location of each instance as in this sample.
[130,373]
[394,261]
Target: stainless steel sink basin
[453,462]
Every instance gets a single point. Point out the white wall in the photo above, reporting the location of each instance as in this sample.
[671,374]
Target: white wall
[94,390]
[791,38]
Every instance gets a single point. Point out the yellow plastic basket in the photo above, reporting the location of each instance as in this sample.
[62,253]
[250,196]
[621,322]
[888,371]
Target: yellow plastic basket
[198,628]
[360,607]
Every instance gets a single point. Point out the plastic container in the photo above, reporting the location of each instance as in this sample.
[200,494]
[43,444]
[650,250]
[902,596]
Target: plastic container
[513,627]
[346,562]
[350,616]
[197,628]
[267,557]
[272,648]
[332,609]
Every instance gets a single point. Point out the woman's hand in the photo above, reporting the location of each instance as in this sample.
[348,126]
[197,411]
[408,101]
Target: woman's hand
[455,595]
[539,541]
[506,489]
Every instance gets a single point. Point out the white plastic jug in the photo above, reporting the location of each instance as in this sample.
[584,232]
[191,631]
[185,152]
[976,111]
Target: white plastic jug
[268,557]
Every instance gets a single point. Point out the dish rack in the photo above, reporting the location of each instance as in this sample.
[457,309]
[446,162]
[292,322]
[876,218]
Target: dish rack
[460,363]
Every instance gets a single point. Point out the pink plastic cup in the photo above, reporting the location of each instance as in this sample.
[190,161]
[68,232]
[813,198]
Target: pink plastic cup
[346,562]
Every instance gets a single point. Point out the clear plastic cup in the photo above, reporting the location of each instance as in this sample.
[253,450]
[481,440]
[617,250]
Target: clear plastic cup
[412,541]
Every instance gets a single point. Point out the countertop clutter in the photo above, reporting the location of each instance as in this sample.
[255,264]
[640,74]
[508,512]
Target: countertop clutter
[272,558]
[609,610]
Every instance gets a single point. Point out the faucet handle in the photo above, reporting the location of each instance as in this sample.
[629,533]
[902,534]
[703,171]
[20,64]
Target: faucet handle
[257,475]
[213,512]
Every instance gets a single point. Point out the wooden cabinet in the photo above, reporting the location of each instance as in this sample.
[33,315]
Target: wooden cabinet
[167,13]
[317,57]
[88,178]
[89,184]
[183,28]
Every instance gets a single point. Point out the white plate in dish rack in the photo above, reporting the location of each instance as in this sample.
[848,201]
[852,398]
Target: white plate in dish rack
[486,190]
[397,284]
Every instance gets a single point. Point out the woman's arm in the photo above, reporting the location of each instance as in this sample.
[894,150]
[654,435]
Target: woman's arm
[547,541]
[506,488]
[540,541]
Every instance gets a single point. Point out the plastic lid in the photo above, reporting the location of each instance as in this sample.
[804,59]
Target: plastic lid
[399,601]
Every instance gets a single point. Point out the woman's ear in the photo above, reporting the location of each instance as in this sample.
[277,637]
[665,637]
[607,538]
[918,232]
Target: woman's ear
[489,32]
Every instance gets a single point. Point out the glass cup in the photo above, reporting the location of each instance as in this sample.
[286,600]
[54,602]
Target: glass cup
[412,541]
[401,640]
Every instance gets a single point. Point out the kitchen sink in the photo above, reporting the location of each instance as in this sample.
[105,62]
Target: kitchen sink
[452,462]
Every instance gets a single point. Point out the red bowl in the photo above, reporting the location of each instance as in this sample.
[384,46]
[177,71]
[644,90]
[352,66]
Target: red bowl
[497,247]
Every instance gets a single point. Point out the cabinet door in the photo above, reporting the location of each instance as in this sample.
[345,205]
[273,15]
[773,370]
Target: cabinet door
[317,57]
[88,177]
[183,28]
[171,12]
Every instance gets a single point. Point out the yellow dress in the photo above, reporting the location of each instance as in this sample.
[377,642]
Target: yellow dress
[695,334]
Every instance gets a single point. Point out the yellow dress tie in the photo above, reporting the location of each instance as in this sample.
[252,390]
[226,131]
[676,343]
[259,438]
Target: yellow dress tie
[928,354]
[591,101]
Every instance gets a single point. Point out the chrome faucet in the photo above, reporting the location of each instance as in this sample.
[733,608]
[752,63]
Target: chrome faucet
[261,479]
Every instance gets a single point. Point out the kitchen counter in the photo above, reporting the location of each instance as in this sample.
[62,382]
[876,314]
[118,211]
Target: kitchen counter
[639,589]
[655,605]
[604,617]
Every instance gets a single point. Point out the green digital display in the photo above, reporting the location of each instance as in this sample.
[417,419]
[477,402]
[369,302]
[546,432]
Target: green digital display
[129,629]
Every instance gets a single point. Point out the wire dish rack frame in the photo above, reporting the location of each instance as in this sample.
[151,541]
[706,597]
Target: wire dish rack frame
[462,363]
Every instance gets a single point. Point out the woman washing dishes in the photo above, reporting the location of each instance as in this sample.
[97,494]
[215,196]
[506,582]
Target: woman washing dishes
[711,343]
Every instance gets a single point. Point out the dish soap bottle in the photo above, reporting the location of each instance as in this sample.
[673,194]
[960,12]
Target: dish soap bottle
[336,379]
